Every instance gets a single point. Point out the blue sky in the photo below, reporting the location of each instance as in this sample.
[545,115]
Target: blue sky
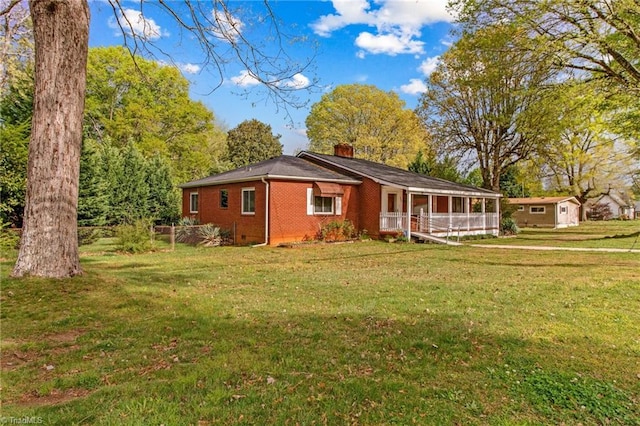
[392,44]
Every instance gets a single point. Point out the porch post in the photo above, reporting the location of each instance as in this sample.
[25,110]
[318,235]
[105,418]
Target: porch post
[497,202]
[484,215]
[408,215]
[429,213]
[450,212]
[467,207]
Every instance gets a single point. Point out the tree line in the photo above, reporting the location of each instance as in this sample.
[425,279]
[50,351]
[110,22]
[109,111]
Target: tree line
[142,136]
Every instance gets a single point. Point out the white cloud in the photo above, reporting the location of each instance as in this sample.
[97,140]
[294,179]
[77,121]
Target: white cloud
[390,44]
[134,23]
[415,87]
[228,27]
[298,81]
[189,68]
[300,131]
[397,22]
[429,65]
[349,12]
[245,79]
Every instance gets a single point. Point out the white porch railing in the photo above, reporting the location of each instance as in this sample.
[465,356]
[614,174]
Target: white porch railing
[393,221]
[441,223]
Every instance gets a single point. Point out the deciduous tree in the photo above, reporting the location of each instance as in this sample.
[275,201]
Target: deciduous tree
[49,243]
[135,99]
[486,100]
[586,159]
[596,38]
[374,122]
[252,141]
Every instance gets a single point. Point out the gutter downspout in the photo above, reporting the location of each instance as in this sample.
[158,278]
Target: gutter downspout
[266,215]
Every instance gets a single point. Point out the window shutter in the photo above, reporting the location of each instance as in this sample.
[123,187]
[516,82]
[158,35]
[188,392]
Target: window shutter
[309,201]
[338,205]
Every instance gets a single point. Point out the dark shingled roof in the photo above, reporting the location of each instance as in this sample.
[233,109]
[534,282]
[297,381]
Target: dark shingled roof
[285,166]
[393,175]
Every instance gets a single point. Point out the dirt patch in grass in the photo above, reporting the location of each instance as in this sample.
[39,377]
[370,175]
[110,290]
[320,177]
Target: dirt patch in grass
[67,336]
[55,397]
[14,359]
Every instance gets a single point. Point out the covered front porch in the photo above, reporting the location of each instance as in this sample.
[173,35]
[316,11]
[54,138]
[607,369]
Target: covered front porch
[440,215]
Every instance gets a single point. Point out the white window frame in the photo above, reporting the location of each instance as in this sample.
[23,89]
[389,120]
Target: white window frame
[192,196]
[336,205]
[520,208]
[563,210]
[244,211]
[543,210]
[316,212]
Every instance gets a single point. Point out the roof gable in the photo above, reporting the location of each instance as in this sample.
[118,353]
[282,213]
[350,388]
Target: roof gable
[389,175]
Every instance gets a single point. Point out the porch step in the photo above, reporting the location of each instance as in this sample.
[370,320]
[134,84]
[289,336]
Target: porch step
[433,239]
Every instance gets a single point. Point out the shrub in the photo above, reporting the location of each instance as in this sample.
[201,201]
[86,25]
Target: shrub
[508,226]
[337,230]
[364,235]
[210,235]
[88,236]
[9,240]
[135,238]
[599,211]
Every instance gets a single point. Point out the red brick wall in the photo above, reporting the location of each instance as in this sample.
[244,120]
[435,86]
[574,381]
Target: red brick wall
[370,207]
[288,219]
[249,229]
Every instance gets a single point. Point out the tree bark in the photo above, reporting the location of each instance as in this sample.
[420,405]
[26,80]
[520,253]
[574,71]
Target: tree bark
[49,245]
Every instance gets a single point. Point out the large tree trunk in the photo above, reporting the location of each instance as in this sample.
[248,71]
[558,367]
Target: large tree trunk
[49,245]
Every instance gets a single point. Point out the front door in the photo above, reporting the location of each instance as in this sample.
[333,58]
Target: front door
[391,202]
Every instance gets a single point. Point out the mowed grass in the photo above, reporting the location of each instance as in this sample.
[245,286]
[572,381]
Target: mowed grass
[363,333]
[591,234]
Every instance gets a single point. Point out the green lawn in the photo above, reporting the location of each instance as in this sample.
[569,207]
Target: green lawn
[364,333]
[610,234]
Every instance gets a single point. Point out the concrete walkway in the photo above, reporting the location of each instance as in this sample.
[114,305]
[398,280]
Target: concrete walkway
[548,248]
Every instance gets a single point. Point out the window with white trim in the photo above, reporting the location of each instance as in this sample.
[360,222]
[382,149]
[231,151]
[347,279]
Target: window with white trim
[322,205]
[193,202]
[319,205]
[248,200]
[563,210]
[537,210]
[520,208]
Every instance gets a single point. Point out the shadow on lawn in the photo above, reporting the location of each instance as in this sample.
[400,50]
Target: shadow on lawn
[156,357]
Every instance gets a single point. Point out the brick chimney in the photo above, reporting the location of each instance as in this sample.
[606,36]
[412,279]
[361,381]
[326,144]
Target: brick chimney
[343,150]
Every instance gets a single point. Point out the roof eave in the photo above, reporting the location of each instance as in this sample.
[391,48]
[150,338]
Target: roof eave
[269,177]
[481,194]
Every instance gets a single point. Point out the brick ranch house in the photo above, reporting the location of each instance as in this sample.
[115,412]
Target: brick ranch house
[288,199]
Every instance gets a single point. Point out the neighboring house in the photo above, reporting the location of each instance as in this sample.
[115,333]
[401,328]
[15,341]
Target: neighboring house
[620,206]
[637,210]
[550,212]
[287,199]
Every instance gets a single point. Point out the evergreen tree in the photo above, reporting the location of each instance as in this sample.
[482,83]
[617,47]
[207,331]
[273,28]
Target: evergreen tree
[93,202]
[447,168]
[420,165]
[164,199]
[14,147]
[130,195]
